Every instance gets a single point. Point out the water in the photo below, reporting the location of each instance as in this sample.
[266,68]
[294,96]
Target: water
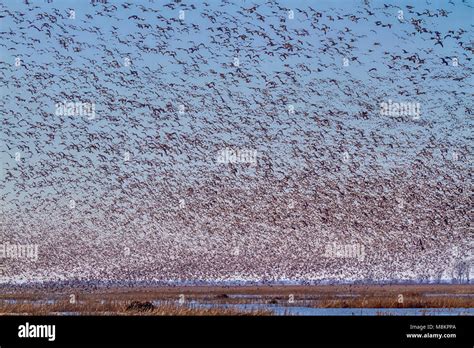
[308,311]
[37,302]
[451,295]
[305,311]
[295,310]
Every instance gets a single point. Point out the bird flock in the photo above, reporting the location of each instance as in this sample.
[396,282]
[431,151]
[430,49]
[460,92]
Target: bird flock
[354,118]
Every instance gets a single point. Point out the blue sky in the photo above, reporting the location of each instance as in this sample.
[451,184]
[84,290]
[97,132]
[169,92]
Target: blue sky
[190,63]
[166,83]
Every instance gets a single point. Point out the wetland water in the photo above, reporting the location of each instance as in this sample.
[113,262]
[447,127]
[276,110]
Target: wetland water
[244,302]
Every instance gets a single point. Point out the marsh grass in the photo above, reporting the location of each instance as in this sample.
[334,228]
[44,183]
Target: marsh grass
[114,301]
[409,301]
[115,308]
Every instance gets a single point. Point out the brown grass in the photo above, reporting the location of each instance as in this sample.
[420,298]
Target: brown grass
[409,301]
[114,308]
[115,300]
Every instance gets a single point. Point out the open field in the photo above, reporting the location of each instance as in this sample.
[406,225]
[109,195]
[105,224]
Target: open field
[231,300]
